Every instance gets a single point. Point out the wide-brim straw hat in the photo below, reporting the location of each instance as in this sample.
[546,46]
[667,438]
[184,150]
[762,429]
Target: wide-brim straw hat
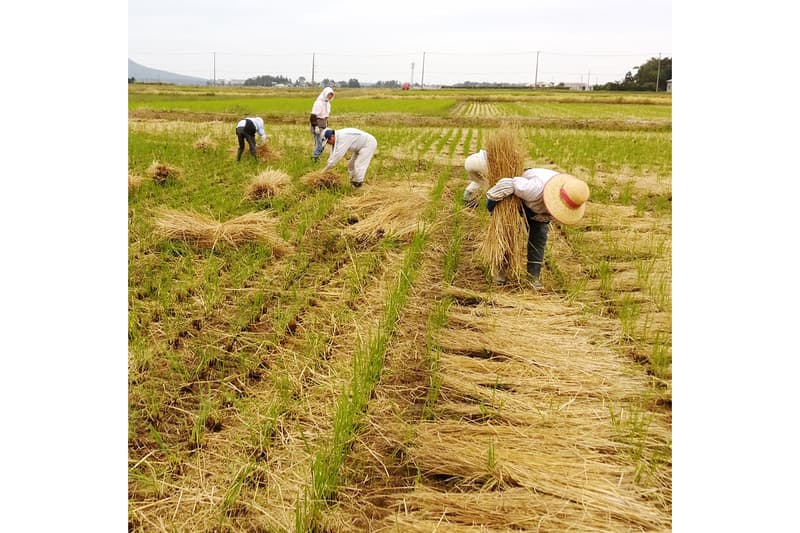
[565,197]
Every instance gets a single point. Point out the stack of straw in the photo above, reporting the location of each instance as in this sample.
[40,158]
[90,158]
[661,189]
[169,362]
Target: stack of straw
[321,180]
[205,143]
[205,232]
[268,184]
[506,238]
[160,172]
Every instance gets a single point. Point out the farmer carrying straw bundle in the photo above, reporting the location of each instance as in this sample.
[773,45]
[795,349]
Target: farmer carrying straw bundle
[545,195]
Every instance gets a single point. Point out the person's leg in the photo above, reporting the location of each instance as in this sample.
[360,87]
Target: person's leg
[360,163]
[251,140]
[537,240]
[240,138]
[319,143]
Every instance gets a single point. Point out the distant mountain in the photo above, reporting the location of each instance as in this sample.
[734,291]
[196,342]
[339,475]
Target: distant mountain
[146,74]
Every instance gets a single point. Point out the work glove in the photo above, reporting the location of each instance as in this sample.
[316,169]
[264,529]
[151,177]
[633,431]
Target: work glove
[501,189]
[317,130]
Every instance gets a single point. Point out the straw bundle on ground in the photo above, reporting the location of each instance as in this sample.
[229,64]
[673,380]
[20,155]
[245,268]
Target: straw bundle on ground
[506,238]
[205,143]
[267,184]
[393,212]
[134,180]
[205,232]
[162,171]
[266,153]
[321,180]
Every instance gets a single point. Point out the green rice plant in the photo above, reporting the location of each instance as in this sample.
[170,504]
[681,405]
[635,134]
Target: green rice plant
[232,494]
[604,273]
[626,193]
[206,417]
[628,313]
[660,358]
[661,291]
[632,427]
[644,268]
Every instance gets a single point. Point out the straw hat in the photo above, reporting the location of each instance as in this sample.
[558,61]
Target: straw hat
[565,197]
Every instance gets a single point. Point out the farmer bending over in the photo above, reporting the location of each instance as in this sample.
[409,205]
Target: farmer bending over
[546,194]
[361,143]
[247,129]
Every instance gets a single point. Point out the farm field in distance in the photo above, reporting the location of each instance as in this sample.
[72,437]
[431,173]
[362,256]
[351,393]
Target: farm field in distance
[333,359]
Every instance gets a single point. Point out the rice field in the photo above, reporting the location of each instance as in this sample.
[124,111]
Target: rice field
[308,356]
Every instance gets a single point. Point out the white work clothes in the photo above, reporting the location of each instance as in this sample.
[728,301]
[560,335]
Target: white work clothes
[322,106]
[363,146]
[257,121]
[530,188]
[476,168]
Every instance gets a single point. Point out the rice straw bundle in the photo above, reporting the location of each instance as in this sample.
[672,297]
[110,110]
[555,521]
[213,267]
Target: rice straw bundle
[265,153]
[205,232]
[321,180]
[267,184]
[205,143]
[134,180]
[393,211]
[506,238]
[162,171]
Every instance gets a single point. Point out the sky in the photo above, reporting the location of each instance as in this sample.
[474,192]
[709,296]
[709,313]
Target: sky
[419,41]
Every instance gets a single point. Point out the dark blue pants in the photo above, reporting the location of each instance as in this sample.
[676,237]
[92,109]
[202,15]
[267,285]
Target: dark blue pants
[537,238]
[241,135]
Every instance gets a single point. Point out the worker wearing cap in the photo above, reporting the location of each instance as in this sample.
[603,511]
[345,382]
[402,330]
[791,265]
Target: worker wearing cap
[361,143]
[320,112]
[246,129]
[546,195]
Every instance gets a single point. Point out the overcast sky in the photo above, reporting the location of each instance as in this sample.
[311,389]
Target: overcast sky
[370,40]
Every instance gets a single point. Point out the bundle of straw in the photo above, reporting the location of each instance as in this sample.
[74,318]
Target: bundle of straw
[267,184]
[162,171]
[134,180]
[387,211]
[205,143]
[321,180]
[265,153]
[205,232]
[505,241]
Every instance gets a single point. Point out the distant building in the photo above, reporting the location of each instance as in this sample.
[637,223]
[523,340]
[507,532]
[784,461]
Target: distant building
[669,85]
[577,86]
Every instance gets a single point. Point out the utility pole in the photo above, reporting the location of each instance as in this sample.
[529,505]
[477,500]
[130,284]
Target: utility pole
[313,60]
[422,83]
[658,74]
[215,69]
[412,74]
[536,76]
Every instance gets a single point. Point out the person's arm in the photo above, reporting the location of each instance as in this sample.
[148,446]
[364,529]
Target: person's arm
[339,149]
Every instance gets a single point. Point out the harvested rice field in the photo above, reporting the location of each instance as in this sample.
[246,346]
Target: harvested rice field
[309,356]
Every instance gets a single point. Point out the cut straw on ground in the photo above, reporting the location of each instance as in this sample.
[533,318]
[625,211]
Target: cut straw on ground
[267,184]
[319,179]
[161,172]
[205,232]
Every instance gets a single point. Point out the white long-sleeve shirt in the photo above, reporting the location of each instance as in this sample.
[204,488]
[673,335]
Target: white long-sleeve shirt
[322,106]
[257,121]
[530,188]
[349,140]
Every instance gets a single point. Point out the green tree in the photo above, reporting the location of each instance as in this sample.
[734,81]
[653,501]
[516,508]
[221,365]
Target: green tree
[353,83]
[653,71]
